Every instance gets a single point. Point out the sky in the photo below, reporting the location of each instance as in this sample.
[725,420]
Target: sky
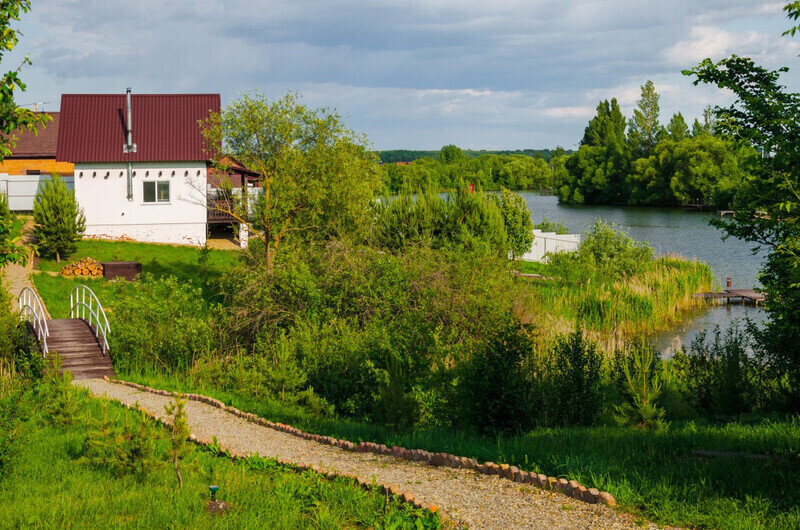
[411,74]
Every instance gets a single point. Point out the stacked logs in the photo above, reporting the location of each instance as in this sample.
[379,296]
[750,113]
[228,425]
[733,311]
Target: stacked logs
[84,267]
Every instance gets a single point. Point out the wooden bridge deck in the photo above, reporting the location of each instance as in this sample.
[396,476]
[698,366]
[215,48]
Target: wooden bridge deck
[74,340]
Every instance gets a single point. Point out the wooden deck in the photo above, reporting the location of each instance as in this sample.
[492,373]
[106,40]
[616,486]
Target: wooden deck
[743,295]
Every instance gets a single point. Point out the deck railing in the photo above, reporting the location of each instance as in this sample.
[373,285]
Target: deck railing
[31,309]
[83,303]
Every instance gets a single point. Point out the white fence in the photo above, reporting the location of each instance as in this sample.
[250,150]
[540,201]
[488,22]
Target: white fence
[21,189]
[549,242]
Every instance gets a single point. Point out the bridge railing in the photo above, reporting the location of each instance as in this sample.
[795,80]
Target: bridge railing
[31,309]
[83,303]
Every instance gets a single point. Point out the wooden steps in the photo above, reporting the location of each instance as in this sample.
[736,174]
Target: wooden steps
[74,340]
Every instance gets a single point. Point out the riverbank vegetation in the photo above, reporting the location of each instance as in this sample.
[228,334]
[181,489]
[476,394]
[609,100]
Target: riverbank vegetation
[487,171]
[394,156]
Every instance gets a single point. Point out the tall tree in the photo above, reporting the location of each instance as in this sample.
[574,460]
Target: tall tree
[697,128]
[645,128]
[677,127]
[13,118]
[709,120]
[451,153]
[607,127]
[767,117]
[318,177]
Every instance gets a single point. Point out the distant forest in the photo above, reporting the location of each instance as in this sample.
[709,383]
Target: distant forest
[408,155]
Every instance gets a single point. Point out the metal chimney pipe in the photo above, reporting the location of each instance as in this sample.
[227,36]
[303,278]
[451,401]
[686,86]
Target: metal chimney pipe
[129,122]
[129,145]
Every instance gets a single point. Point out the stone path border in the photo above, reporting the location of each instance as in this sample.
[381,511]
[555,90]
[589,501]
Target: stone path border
[234,455]
[571,488]
[466,496]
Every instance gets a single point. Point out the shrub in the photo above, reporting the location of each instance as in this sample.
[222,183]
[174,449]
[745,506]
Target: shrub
[9,251]
[718,373]
[643,386]
[517,222]
[572,382]
[546,225]
[59,220]
[605,254]
[462,219]
[18,351]
[159,322]
[494,391]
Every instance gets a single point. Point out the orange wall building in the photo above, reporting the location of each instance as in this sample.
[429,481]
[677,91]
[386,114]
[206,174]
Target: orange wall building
[35,153]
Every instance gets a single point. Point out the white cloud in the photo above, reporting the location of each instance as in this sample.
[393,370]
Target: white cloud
[716,43]
[409,73]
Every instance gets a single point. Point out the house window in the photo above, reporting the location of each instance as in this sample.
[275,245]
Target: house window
[156,191]
[33,172]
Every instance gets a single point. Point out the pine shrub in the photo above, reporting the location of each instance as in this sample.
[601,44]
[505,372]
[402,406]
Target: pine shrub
[58,220]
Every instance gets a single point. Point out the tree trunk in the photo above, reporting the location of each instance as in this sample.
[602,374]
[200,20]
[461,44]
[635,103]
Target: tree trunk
[177,471]
[58,257]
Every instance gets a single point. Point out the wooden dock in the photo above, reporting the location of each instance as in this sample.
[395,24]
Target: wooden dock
[729,295]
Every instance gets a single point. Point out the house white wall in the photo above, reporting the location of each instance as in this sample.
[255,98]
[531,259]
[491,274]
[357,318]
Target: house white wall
[101,190]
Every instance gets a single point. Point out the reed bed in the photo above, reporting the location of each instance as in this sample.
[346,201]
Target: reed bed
[615,312]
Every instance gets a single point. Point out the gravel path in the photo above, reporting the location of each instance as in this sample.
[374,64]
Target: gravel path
[477,500]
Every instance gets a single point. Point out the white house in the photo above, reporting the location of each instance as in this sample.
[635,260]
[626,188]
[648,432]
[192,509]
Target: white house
[141,167]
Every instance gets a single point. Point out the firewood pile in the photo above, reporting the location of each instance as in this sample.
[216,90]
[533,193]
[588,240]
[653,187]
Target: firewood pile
[84,267]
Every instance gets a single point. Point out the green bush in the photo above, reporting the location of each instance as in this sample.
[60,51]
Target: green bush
[18,351]
[517,222]
[493,388]
[9,251]
[643,386]
[718,374]
[572,382]
[461,219]
[605,254]
[160,322]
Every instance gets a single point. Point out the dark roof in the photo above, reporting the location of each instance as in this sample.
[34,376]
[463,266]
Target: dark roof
[165,127]
[41,144]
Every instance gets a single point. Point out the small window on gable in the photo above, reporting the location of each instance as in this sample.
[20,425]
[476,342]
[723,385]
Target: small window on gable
[156,191]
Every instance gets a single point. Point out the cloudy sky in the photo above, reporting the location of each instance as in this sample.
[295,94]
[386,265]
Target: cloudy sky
[409,73]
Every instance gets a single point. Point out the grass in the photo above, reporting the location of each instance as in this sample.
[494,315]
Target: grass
[613,313]
[652,474]
[44,485]
[182,262]
[16,227]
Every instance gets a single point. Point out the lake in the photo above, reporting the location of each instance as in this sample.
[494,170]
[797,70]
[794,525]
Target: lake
[670,231]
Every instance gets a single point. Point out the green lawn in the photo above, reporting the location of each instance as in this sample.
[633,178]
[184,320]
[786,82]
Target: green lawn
[159,260]
[16,227]
[182,262]
[44,484]
[653,474]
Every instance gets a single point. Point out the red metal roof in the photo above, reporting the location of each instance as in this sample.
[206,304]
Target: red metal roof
[41,144]
[165,127]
